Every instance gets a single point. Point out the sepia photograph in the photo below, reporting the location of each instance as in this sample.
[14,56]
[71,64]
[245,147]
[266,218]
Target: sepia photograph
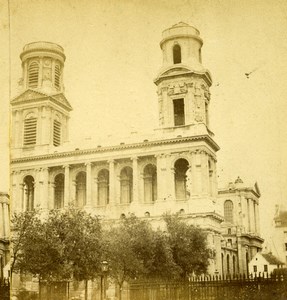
[143,150]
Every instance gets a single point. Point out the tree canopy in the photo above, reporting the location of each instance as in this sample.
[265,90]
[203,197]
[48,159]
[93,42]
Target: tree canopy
[72,244]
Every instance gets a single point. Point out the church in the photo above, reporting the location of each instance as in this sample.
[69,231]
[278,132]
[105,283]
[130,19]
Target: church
[171,170]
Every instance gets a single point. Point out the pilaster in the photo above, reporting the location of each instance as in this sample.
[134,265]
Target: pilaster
[67,185]
[112,195]
[135,180]
[89,184]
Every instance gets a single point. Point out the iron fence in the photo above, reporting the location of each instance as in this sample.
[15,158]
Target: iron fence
[211,288]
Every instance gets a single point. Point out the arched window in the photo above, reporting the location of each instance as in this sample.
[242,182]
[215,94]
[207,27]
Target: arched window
[227,264]
[180,178]
[57,76]
[28,193]
[103,187]
[59,191]
[33,74]
[56,133]
[126,178]
[81,189]
[228,211]
[150,183]
[30,130]
[176,54]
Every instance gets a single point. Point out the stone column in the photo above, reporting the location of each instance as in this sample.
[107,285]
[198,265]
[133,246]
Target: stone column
[45,188]
[204,173]
[135,180]
[198,174]
[89,184]
[25,75]
[40,78]
[22,198]
[170,183]
[67,186]
[257,219]
[249,214]
[6,220]
[2,233]
[160,171]
[51,188]
[95,192]
[112,195]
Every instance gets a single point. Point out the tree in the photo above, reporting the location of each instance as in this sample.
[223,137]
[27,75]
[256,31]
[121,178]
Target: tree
[24,227]
[65,245]
[189,246]
[134,250]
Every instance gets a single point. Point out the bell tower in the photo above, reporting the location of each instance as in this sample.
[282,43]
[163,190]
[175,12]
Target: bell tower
[183,83]
[40,114]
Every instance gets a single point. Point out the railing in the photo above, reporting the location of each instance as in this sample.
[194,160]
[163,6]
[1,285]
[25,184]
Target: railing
[211,288]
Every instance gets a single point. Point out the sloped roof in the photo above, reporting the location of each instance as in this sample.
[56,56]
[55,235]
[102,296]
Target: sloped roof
[272,259]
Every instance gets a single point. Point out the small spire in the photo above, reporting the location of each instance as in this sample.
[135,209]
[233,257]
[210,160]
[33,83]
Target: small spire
[238,180]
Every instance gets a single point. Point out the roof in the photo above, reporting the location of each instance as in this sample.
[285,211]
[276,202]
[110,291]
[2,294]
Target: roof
[272,259]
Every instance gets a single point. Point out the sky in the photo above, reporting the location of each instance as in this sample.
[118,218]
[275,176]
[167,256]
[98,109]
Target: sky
[113,55]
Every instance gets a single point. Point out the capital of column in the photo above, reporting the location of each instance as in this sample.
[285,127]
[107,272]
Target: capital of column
[88,164]
[66,166]
[134,158]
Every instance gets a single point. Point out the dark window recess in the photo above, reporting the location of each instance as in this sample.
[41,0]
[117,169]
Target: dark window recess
[255,269]
[30,131]
[265,268]
[176,54]
[57,133]
[178,109]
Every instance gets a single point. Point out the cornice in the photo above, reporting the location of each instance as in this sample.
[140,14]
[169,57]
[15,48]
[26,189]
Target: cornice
[207,138]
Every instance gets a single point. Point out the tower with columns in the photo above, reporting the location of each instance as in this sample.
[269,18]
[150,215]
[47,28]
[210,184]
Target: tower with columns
[171,170]
[40,113]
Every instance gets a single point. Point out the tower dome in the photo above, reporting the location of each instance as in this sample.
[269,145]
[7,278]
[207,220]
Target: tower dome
[181,44]
[43,64]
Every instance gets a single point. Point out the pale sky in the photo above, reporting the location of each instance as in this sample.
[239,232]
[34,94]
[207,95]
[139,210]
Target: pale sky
[113,55]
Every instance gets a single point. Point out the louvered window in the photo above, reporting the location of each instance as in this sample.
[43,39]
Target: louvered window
[57,76]
[57,133]
[30,131]
[33,75]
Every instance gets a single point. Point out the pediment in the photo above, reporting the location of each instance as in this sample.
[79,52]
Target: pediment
[32,95]
[62,99]
[28,95]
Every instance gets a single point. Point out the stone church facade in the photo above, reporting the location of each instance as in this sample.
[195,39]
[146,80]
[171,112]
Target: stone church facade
[172,170]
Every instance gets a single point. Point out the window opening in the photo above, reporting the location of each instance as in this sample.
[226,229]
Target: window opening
[180,176]
[150,183]
[33,75]
[176,54]
[103,187]
[126,185]
[56,133]
[57,76]
[29,193]
[178,110]
[30,131]
[228,211]
[59,191]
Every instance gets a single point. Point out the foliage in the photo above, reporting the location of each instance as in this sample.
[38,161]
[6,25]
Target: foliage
[25,227]
[189,246]
[65,245]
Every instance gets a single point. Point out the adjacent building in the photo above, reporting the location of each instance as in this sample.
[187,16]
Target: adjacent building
[173,169]
[263,264]
[279,234]
[4,236]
